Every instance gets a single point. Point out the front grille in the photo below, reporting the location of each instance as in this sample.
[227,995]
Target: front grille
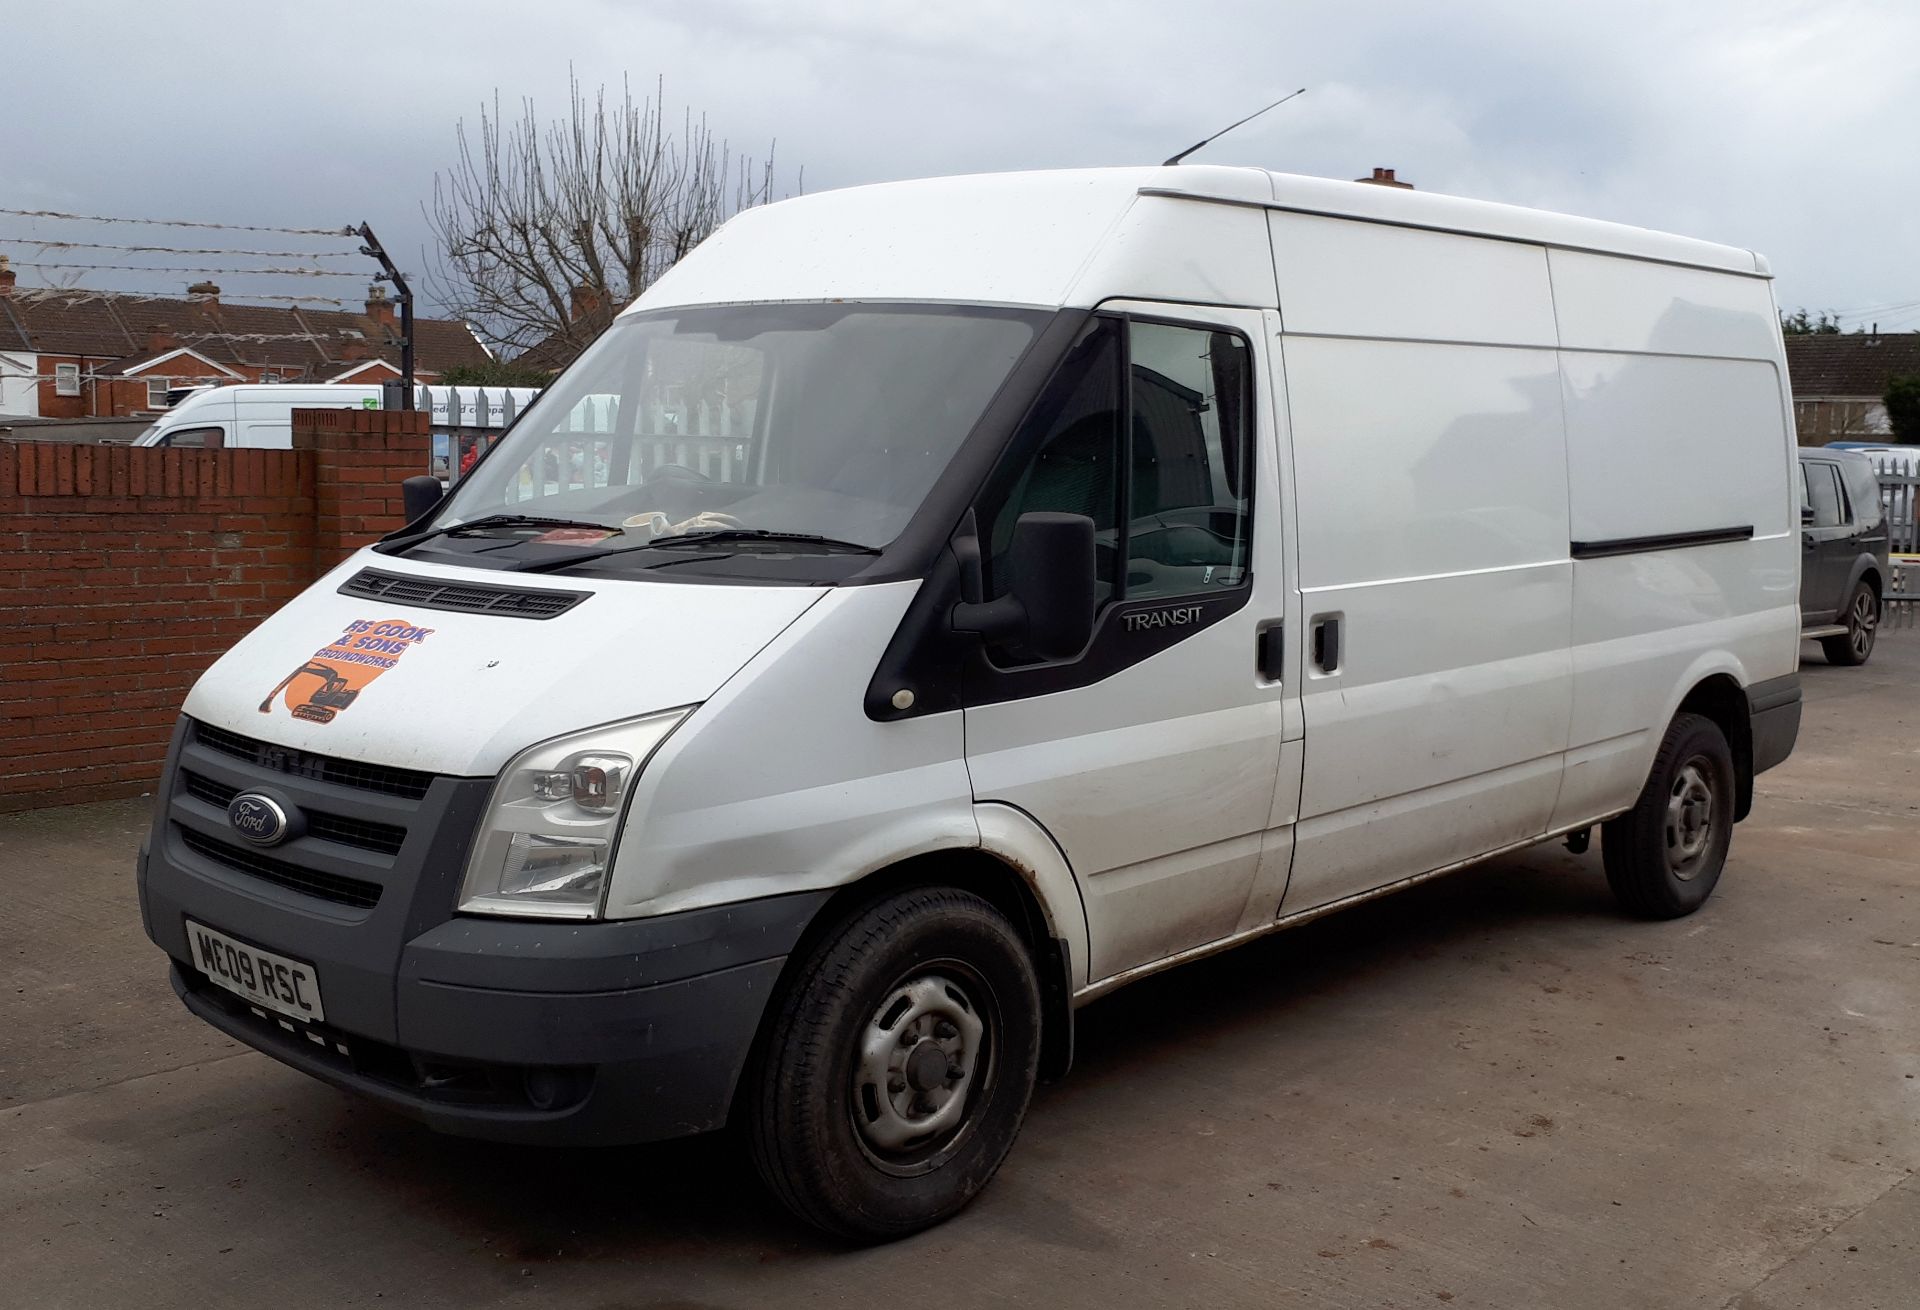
[383,838]
[465,597]
[338,888]
[382,778]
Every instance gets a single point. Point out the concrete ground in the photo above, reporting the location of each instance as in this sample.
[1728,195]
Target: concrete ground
[1490,1091]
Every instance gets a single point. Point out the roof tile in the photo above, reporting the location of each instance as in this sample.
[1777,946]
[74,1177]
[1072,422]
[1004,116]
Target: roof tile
[1850,365]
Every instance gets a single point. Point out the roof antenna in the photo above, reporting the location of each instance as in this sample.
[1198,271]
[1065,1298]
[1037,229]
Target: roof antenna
[1229,127]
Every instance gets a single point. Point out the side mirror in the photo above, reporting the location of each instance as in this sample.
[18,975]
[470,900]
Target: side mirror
[1048,609]
[1806,516]
[420,496]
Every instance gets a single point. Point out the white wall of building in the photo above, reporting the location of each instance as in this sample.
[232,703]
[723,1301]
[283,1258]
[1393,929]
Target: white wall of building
[19,394]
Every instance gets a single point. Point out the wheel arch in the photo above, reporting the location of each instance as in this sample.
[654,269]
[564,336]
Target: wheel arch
[1866,569]
[1720,698]
[1016,876]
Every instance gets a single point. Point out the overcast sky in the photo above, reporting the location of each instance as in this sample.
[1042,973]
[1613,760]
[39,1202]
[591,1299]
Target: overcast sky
[1783,126]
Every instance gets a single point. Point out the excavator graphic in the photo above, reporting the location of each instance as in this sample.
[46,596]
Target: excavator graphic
[342,669]
[323,702]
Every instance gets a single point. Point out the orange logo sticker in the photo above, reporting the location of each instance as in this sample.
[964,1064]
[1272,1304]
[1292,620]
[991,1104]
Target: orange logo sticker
[341,670]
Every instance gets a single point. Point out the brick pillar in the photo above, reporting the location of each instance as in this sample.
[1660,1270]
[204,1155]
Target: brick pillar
[359,459]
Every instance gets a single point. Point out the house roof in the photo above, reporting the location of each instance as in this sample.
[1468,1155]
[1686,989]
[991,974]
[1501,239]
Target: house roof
[559,349]
[1850,365]
[185,355]
[293,340]
[351,371]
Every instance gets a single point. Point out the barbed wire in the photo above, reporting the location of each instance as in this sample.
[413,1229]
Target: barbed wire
[161,268]
[255,337]
[50,243]
[185,222]
[324,366]
[84,294]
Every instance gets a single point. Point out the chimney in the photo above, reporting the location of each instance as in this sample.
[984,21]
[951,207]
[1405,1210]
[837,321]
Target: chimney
[1385,177]
[379,308]
[585,301]
[205,293]
[160,337]
[6,277]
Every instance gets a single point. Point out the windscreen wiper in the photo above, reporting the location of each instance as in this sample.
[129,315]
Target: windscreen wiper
[500,521]
[714,537]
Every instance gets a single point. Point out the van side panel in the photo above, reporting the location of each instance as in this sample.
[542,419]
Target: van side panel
[1432,519]
[1675,424]
[1342,278]
[1605,302]
[1224,258]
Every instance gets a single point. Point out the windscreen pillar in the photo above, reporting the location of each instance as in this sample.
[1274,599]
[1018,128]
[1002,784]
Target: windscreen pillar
[360,458]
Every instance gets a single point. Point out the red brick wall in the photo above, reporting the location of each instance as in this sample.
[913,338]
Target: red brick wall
[54,405]
[125,572]
[359,458]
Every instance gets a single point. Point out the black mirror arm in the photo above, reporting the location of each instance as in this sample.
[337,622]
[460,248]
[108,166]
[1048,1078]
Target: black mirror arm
[966,550]
[1001,622]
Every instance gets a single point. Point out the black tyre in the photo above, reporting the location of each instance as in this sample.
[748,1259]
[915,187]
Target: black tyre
[1862,617]
[897,1065]
[1664,855]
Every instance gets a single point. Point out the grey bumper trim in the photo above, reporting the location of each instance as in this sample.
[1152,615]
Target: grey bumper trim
[1774,716]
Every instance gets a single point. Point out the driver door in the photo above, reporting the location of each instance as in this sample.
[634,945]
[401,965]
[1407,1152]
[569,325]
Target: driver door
[1155,756]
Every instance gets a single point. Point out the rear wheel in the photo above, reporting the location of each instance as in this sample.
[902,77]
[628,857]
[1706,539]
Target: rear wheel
[897,1067]
[1664,855]
[1862,619]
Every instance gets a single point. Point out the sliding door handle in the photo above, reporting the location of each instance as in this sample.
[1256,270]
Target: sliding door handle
[1326,643]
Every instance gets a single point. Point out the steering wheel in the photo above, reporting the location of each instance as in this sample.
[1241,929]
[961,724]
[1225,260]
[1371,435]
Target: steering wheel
[678,473]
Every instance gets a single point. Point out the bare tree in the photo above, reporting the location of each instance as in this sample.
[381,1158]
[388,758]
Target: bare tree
[545,231]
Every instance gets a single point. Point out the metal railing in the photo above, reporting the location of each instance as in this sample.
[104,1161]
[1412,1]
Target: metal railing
[1899,483]
[1899,479]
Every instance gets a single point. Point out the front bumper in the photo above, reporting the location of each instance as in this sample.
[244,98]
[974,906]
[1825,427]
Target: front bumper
[549,1067]
[544,1032]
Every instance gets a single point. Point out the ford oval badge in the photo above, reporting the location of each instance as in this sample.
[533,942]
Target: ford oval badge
[259,819]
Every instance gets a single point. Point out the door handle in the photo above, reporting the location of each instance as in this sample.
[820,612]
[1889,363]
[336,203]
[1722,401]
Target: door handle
[1326,644]
[1271,652]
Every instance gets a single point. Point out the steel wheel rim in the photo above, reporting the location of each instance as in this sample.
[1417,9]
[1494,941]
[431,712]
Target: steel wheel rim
[1690,819]
[922,1066]
[1864,621]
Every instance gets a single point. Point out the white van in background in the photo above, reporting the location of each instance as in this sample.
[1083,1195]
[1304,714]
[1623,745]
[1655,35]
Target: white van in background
[259,416]
[1067,575]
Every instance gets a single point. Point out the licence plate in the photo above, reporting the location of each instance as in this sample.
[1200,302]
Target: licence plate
[273,982]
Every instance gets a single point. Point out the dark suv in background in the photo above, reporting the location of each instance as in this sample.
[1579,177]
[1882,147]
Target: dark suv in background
[1843,565]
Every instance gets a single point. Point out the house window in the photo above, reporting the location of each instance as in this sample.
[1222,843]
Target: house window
[157,394]
[66,379]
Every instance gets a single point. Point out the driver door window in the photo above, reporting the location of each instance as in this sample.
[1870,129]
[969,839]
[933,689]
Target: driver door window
[1188,529]
[208,437]
[1182,469]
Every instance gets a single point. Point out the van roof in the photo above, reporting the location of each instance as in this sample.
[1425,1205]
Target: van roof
[1023,238]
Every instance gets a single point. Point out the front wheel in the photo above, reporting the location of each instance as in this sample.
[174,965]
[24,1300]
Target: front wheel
[1862,618]
[897,1065]
[1664,855]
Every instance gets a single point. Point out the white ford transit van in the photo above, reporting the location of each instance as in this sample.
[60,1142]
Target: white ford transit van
[1075,573]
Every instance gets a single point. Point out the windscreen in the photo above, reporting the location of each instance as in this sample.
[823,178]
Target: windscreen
[813,420]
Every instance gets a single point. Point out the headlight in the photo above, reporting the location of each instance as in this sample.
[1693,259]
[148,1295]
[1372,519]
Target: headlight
[547,840]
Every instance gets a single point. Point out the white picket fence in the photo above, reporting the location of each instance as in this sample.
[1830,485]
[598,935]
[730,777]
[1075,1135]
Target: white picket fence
[1899,485]
[707,438]
[1899,479]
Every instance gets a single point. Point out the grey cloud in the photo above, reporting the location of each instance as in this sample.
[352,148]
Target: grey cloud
[1772,124]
